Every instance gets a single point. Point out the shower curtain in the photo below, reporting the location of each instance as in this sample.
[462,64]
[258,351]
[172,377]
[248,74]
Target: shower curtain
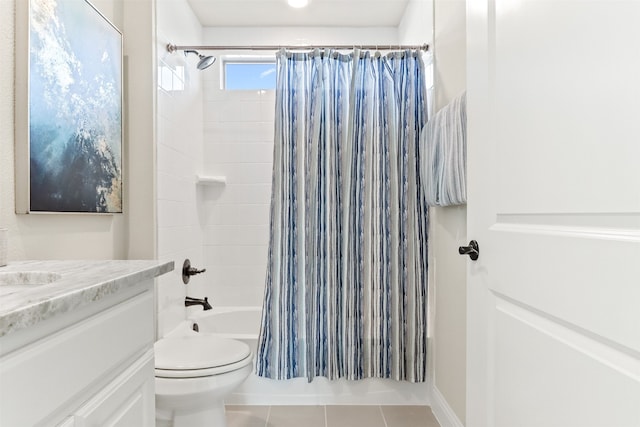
[346,285]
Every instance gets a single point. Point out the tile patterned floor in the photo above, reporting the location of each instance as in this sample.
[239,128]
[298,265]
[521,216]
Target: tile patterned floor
[330,416]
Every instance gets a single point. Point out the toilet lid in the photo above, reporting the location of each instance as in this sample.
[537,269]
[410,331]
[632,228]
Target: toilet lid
[198,352]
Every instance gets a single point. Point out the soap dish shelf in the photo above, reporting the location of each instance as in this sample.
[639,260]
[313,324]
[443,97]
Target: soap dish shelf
[210,180]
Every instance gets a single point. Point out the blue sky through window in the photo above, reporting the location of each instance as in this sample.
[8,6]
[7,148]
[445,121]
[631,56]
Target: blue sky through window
[249,76]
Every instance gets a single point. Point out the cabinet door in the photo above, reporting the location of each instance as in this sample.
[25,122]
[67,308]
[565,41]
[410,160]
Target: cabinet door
[62,370]
[127,402]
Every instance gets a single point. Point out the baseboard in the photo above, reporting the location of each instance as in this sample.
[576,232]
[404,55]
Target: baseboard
[442,411]
[321,391]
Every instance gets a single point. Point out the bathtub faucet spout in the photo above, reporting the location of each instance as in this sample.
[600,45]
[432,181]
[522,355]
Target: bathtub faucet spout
[188,301]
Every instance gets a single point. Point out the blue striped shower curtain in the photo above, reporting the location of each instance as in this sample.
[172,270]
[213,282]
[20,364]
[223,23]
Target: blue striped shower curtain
[346,286]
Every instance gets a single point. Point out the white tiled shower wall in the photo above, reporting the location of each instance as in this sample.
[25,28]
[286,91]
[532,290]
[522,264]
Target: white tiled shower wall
[238,144]
[179,155]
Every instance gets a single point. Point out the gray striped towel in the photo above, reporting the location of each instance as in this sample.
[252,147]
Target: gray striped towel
[443,155]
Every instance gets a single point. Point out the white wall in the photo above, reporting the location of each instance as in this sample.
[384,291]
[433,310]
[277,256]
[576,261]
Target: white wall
[416,26]
[179,158]
[139,21]
[447,269]
[238,144]
[449,224]
[299,35]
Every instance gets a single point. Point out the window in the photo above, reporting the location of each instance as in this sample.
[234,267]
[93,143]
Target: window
[249,74]
[171,78]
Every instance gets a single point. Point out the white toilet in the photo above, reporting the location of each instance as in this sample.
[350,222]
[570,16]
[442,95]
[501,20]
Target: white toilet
[194,373]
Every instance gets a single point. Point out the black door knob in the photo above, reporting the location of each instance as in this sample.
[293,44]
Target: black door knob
[473,250]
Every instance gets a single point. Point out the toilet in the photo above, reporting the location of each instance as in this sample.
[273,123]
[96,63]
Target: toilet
[194,373]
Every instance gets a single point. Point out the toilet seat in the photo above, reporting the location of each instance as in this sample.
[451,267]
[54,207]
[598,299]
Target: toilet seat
[199,355]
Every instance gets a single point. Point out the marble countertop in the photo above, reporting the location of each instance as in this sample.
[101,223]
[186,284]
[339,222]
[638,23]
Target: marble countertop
[82,283]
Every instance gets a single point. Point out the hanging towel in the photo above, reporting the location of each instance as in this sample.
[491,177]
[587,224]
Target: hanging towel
[443,155]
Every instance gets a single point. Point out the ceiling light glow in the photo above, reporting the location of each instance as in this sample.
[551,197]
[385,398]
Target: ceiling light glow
[298,3]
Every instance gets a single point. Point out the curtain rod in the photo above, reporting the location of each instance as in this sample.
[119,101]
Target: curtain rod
[425,47]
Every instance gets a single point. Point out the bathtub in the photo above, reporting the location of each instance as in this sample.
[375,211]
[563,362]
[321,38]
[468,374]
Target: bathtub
[238,323]
[243,323]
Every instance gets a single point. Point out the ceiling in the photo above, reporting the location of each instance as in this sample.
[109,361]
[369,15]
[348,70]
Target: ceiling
[319,13]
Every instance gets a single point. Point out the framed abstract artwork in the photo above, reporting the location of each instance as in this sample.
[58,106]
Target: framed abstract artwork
[68,109]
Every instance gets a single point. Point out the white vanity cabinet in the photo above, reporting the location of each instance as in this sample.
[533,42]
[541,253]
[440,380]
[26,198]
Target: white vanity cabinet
[92,366]
[126,401]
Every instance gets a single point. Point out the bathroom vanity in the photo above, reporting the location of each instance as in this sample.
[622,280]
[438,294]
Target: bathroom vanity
[76,343]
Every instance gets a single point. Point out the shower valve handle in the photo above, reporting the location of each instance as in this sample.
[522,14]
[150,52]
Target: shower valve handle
[193,271]
[188,271]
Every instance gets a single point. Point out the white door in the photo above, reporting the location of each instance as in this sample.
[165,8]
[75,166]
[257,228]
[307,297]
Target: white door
[554,203]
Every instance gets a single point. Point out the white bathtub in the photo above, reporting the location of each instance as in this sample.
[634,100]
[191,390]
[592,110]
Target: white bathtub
[243,323]
[238,323]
